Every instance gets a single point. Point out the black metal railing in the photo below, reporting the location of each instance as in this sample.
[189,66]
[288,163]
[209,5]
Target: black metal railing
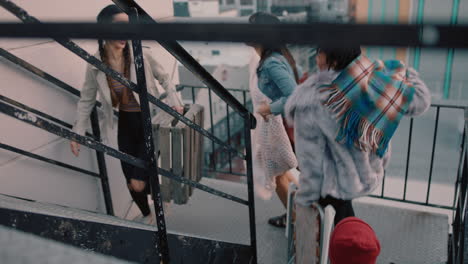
[407,176]
[438,107]
[458,251]
[430,35]
[228,126]
[94,123]
[62,129]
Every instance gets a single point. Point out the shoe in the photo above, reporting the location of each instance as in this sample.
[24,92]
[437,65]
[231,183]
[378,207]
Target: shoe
[147,220]
[278,221]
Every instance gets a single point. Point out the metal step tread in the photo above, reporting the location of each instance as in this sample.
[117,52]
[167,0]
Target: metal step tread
[67,212]
[14,244]
[407,236]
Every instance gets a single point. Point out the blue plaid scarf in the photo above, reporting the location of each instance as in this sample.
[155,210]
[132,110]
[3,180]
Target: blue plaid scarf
[369,100]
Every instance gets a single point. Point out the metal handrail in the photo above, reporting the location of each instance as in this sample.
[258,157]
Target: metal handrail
[460,223]
[50,161]
[387,35]
[186,59]
[150,161]
[70,45]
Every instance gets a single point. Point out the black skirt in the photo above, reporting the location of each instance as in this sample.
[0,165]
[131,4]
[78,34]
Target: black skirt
[131,141]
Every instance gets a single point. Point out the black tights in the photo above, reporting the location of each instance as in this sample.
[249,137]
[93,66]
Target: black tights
[343,208]
[141,200]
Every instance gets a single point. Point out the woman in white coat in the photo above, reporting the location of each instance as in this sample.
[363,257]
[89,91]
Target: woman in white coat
[117,54]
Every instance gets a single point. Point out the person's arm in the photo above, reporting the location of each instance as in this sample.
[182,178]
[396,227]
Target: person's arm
[279,74]
[163,78]
[310,84]
[422,97]
[85,107]
[291,103]
[86,102]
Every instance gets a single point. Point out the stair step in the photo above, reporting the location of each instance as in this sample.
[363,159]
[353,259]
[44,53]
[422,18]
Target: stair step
[13,203]
[14,244]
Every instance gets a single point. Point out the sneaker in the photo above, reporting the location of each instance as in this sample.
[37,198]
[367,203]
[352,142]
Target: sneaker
[147,220]
[279,221]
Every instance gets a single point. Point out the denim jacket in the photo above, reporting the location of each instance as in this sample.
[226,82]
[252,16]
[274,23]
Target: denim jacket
[276,80]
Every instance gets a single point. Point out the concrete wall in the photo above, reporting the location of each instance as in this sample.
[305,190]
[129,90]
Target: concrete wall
[33,179]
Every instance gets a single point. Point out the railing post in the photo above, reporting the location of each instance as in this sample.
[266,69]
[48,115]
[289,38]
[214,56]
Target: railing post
[213,159]
[434,144]
[162,244]
[101,160]
[248,125]
[229,136]
[460,225]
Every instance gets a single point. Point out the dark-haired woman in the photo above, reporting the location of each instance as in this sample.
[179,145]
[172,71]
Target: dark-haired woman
[344,117]
[117,54]
[277,78]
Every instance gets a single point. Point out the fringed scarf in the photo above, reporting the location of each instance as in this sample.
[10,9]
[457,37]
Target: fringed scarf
[368,100]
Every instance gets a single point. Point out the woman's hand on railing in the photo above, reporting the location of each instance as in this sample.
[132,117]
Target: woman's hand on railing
[179,109]
[75,148]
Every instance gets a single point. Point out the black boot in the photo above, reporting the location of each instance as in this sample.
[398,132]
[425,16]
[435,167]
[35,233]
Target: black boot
[141,200]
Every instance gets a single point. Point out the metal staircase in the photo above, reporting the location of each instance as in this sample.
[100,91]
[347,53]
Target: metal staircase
[408,236]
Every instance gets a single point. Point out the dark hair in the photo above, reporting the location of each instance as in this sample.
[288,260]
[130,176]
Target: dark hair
[106,16]
[269,49]
[339,58]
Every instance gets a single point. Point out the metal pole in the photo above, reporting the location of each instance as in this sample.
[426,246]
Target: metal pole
[50,161]
[370,10]
[382,20]
[460,167]
[101,160]
[248,124]
[229,136]
[419,20]
[193,95]
[397,21]
[383,184]
[213,152]
[408,156]
[162,244]
[451,52]
[433,154]
[460,219]
[244,99]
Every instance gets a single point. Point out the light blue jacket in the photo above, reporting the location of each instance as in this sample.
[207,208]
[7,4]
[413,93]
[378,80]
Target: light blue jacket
[276,80]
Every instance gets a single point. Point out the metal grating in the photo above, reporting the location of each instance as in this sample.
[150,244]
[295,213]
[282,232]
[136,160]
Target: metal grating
[407,236]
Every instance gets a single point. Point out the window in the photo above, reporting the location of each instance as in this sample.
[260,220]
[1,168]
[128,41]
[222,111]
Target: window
[215,52]
[246,12]
[246,2]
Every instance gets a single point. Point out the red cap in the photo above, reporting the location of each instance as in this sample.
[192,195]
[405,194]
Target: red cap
[353,242]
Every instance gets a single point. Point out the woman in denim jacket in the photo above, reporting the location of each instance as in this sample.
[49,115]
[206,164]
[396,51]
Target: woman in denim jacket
[277,79]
